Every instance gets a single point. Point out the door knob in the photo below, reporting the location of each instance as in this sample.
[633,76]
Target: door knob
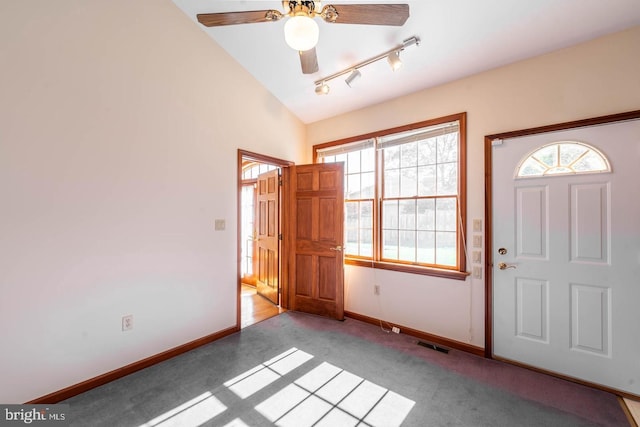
[504,266]
[337,248]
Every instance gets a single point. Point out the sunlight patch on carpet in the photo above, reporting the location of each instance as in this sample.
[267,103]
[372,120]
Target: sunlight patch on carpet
[192,413]
[330,396]
[254,380]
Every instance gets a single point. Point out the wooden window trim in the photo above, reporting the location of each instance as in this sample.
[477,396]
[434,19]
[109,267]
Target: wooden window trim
[458,272]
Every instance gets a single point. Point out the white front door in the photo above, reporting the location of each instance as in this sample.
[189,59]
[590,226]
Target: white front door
[566,299]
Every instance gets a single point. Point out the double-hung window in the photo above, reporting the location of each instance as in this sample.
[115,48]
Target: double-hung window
[405,196]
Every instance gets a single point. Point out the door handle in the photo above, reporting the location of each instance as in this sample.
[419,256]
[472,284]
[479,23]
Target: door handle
[504,266]
[337,248]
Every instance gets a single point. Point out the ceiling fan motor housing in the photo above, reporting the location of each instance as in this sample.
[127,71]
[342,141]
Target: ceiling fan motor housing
[299,7]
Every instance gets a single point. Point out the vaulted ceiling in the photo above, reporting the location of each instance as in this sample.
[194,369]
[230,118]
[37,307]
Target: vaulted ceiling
[458,38]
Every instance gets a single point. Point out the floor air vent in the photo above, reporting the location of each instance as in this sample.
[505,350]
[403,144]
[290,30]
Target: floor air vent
[433,347]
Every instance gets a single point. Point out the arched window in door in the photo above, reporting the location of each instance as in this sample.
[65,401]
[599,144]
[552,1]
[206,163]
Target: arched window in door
[563,158]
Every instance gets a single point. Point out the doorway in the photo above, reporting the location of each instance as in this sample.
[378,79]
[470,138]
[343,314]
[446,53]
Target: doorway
[254,302]
[562,238]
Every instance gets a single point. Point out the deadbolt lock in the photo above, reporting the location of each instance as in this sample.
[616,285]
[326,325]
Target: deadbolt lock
[502,251]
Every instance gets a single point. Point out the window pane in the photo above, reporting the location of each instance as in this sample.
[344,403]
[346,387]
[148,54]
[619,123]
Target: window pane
[368,160]
[548,155]
[590,162]
[368,185]
[390,214]
[426,181]
[408,154]
[366,243]
[446,214]
[392,157]
[446,248]
[426,247]
[570,152]
[447,178]
[427,152]
[408,183]
[353,187]
[407,215]
[563,158]
[448,148]
[351,241]
[427,214]
[407,249]
[340,158]
[392,183]
[353,162]
[366,229]
[390,244]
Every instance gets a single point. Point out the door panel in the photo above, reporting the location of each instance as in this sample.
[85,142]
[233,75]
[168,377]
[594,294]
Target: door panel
[316,235]
[569,281]
[267,228]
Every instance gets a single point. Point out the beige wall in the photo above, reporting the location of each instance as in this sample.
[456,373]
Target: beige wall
[119,127]
[596,78]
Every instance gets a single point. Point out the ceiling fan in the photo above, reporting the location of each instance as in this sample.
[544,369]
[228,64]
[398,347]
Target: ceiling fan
[301,31]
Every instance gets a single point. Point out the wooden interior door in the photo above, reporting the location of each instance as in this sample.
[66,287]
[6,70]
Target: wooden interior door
[267,226]
[315,237]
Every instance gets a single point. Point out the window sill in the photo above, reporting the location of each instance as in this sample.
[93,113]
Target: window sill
[425,271]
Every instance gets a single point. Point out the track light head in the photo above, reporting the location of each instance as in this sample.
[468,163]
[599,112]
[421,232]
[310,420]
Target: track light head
[355,74]
[322,89]
[394,60]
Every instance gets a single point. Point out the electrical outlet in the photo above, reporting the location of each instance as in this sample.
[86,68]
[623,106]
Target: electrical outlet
[395,330]
[127,322]
[376,289]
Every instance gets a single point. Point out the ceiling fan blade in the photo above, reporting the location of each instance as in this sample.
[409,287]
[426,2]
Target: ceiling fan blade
[232,18]
[371,14]
[309,61]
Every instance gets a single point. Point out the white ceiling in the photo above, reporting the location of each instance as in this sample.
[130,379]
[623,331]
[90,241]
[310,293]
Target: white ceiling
[458,38]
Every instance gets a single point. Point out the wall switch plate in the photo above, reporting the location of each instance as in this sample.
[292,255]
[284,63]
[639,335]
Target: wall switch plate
[127,322]
[477,225]
[477,240]
[220,224]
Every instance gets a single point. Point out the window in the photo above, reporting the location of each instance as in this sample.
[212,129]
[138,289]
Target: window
[563,158]
[405,196]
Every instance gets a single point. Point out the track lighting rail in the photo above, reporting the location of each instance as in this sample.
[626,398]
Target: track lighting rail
[321,84]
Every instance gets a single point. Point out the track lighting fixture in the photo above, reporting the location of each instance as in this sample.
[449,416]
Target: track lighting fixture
[394,60]
[355,74]
[322,89]
[393,57]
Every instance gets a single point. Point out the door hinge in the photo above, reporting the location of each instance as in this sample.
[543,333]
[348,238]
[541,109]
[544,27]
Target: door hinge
[279,236]
[280,182]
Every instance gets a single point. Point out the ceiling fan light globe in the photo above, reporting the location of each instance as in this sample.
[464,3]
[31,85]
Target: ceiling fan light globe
[301,33]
